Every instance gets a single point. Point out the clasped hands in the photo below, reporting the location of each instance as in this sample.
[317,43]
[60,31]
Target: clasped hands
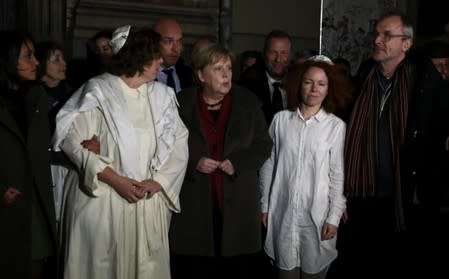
[128,188]
[208,166]
[133,190]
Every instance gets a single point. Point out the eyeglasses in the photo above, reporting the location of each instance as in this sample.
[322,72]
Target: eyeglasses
[387,36]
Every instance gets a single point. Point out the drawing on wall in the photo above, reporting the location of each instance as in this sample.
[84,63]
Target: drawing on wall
[347,26]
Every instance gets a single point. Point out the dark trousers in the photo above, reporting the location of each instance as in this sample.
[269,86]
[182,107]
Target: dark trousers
[370,246]
[199,267]
[43,268]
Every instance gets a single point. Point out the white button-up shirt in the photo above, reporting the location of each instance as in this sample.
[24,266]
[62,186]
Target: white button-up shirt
[302,188]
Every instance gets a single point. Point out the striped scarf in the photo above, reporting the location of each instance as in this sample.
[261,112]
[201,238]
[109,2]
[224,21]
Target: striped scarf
[361,139]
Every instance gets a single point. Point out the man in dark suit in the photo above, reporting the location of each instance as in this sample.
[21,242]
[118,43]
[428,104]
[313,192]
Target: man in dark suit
[173,71]
[265,78]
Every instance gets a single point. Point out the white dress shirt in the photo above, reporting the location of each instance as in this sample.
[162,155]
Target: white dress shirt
[302,189]
[162,77]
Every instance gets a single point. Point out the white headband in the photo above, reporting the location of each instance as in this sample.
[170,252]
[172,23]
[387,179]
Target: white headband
[119,38]
[321,58]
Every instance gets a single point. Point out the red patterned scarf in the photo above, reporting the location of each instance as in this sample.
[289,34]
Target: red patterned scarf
[214,130]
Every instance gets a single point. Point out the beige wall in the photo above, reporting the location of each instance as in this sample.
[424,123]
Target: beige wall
[253,19]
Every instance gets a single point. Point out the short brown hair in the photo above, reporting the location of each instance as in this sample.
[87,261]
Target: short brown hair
[141,47]
[339,86]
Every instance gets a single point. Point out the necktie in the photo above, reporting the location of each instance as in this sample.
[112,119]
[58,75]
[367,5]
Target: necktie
[170,79]
[277,104]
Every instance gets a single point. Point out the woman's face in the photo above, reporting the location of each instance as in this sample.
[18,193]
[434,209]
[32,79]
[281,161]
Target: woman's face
[27,63]
[56,67]
[102,48]
[314,87]
[217,78]
[150,69]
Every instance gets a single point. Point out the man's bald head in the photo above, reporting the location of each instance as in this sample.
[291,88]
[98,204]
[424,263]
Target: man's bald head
[171,40]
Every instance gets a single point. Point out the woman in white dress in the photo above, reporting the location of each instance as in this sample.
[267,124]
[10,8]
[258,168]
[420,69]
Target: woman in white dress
[116,217]
[302,182]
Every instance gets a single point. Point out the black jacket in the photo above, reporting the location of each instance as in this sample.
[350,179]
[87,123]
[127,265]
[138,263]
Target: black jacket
[185,74]
[25,165]
[255,79]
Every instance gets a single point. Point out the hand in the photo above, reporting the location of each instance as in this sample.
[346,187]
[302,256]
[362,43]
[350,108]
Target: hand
[129,189]
[265,219]
[207,165]
[227,167]
[345,217]
[329,231]
[151,187]
[10,196]
[92,144]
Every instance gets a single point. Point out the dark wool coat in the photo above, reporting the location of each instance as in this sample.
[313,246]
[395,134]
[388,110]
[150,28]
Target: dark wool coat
[247,145]
[25,165]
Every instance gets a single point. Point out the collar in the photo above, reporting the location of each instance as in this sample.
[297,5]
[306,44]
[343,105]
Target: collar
[319,116]
[271,80]
[161,68]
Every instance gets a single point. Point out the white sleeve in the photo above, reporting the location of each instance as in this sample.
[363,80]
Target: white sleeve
[266,172]
[171,174]
[85,126]
[336,176]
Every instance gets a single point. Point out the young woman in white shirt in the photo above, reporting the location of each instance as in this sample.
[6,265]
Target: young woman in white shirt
[302,181]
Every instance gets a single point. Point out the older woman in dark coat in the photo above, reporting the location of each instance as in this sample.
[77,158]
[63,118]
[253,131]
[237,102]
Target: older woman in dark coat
[218,230]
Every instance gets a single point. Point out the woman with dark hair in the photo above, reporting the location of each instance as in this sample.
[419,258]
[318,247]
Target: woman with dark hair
[218,233]
[116,218]
[100,45]
[99,52]
[52,72]
[302,182]
[27,215]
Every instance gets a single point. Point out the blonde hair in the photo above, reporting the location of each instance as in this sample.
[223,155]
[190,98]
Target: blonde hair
[209,54]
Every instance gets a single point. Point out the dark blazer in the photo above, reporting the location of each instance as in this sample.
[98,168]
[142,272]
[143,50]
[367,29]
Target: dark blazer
[247,145]
[25,165]
[185,74]
[255,79]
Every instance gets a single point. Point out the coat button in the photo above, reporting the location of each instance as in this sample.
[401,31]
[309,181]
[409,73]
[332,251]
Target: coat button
[415,133]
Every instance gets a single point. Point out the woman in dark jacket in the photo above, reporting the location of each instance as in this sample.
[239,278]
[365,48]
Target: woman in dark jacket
[218,231]
[27,215]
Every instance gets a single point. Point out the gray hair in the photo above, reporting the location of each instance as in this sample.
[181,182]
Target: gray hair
[407,25]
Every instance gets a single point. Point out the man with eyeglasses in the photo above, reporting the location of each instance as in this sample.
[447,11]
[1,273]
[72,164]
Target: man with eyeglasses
[392,144]
[173,72]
